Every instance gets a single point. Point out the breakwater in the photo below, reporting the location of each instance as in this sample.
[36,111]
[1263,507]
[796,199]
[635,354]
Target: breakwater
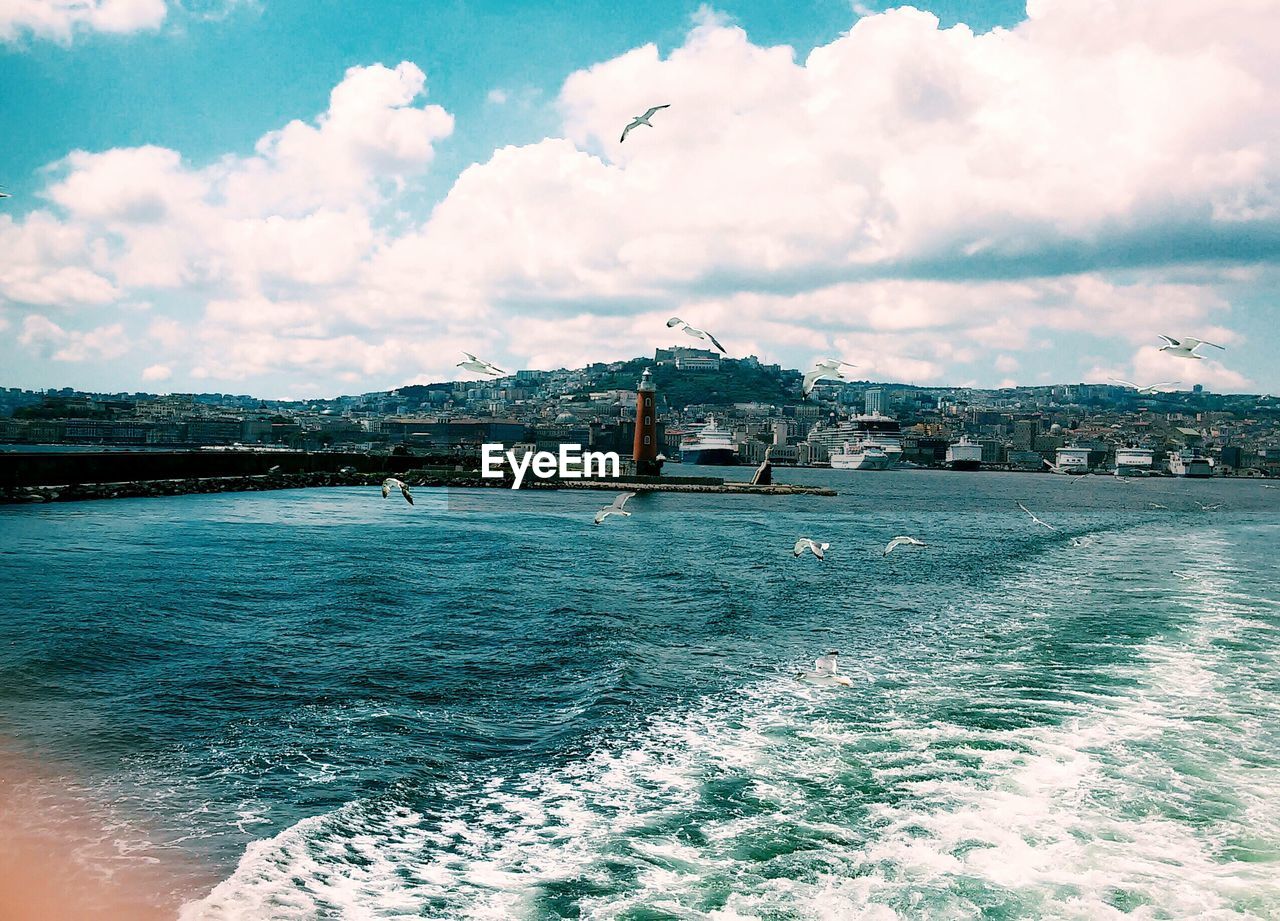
[416,478]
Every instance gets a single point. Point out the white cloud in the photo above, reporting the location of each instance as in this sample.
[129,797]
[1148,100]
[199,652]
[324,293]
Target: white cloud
[52,341]
[61,19]
[932,204]
[157,373]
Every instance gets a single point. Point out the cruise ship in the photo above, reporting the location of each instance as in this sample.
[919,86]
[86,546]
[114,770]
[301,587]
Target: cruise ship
[1190,462]
[1133,462]
[869,441]
[864,455]
[964,454]
[710,445]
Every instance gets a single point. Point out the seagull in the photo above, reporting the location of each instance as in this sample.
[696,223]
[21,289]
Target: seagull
[1150,388]
[899,541]
[805,543]
[824,672]
[1208,508]
[1269,486]
[1081,541]
[480,366]
[827,369]
[391,483]
[1186,348]
[616,508]
[1034,518]
[4,194]
[696,333]
[1158,505]
[641,120]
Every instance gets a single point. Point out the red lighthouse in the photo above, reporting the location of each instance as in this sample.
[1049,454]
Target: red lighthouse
[644,451]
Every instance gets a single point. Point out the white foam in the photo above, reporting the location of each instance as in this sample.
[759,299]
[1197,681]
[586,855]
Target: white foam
[1135,801]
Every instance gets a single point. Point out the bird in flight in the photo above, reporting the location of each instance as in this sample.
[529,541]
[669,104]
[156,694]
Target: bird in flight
[1208,508]
[4,194]
[1186,348]
[391,483]
[696,333]
[480,366]
[899,541]
[824,671]
[805,543]
[615,508]
[1034,518]
[641,120]
[828,369]
[1149,389]
[1157,505]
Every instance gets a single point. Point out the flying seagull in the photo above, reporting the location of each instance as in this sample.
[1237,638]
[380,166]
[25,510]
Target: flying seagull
[1149,389]
[391,483]
[1034,518]
[899,541]
[1208,508]
[641,120]
[4,194]
[1269,486]
[824,671]
[480,366]
[827,369]
[696,333]
[616,508]
[1158,505]
[1186,348]
[805,543]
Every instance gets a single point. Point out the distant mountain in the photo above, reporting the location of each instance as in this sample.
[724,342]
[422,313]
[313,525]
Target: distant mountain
[735,382]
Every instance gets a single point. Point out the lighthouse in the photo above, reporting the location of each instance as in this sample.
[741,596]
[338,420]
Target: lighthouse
[644,450]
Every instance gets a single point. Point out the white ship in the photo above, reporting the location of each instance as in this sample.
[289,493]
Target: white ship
[1190,462]
[710,445]
[868,441]
[864,455]
[1072,460]
[964,454]
[1133,461]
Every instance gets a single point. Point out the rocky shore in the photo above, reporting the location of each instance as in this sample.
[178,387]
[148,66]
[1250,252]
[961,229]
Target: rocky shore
[134,489]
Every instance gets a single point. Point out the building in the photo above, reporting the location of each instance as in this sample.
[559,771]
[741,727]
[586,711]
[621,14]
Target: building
[644,451]
[875,402]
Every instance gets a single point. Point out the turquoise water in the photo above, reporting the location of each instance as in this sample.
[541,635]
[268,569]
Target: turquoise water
[485,707]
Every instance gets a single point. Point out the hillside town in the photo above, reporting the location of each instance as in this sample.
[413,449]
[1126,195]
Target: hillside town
[742,410]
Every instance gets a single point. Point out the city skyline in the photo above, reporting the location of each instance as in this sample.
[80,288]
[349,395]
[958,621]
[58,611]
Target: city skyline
[873,184]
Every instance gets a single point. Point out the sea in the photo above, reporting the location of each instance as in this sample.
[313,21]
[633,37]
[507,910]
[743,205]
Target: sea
[483,706]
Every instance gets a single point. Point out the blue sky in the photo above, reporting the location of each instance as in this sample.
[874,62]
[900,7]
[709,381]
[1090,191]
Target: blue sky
[878,252]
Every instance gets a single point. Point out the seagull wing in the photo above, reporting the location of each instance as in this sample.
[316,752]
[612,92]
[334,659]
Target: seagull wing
[894,544]
[1154,387]
[1126,383]
[621,501]
[494,368]
[404,491]
[603,514]
[627,130]
[810,379]
[675,321]
[648,115]
[386,489]
[1172,341]
[716,343]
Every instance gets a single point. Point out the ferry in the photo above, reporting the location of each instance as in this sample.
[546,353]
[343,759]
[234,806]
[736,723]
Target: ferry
[1190,463]
[865,455]
[964,454]
[880,434]
[710,445]
[1134,462]
[1072,460]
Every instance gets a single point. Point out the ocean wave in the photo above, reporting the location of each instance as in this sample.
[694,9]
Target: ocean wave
[1154,793]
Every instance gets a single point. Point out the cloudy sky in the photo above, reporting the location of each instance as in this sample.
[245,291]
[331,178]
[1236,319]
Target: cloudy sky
[296,198]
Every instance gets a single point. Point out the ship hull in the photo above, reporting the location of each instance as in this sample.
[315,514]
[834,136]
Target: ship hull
[965,464]
[861,462]
[710,457]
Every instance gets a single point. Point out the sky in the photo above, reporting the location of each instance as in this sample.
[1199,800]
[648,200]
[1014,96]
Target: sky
[303,198]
